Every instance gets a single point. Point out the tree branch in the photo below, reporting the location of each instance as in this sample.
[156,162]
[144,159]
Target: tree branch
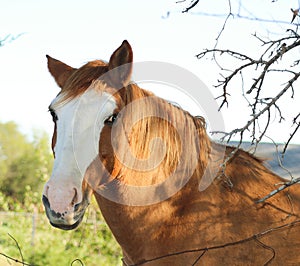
[297,123]
[194,3]
[281,188]
[17,244]
[19,249]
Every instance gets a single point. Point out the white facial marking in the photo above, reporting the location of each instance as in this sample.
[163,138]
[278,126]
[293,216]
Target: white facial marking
[79,125]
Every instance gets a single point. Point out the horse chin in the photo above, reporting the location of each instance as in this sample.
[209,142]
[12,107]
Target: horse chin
[67,227]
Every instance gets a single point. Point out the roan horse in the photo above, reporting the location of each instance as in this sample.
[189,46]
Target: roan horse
[222,225]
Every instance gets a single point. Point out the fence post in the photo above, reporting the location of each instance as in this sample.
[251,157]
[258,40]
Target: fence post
[34,217]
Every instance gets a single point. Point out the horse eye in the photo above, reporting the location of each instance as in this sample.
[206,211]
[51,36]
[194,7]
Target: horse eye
[111,119]
[54,115]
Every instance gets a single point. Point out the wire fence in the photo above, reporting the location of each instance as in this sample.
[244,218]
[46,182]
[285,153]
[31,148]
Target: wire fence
[5,217]
[29,237]
[35,218]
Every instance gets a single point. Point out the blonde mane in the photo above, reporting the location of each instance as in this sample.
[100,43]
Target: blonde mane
[158,138]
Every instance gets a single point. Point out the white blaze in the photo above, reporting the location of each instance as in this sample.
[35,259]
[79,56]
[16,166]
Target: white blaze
[79,125]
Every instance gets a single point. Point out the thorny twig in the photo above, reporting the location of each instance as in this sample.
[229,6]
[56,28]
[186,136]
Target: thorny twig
[284,186]
[199,257]
[273,53]
[236,14]
[16,260]
[194,3]
[257,85]
[279,160]
[268,248]
[224,24]
[297,123]
[269,61]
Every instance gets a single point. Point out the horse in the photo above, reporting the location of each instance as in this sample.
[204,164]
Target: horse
[121,143]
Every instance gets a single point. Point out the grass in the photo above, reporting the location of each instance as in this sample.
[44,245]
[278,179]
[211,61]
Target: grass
[90,244]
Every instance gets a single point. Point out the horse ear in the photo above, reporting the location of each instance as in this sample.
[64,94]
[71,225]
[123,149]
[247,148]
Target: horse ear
[121,57]
[59,70]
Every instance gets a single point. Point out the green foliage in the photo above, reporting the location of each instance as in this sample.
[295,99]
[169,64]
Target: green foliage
[24,165]
[92,243]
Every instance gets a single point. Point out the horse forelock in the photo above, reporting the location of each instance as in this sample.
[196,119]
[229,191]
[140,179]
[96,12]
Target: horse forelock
[80,80]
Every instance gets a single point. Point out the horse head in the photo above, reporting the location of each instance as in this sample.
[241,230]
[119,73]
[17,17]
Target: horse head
[117,139]
[66,195]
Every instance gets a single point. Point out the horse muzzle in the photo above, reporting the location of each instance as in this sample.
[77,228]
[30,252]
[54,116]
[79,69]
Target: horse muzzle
[67,220]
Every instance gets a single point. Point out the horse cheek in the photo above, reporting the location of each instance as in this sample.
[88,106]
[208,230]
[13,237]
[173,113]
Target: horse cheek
[106,152]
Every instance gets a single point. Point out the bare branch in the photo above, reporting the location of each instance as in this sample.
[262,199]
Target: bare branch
[224,24]
[279,160]
[268,248]
[266,108]
[274,54]
[200,256]
[19,249]
[284,186]
[17,244]
[280,52]
[297,123]
[234,54]
[16,260]
[278,49]
[194,3]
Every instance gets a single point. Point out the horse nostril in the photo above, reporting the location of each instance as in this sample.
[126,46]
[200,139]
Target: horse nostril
[75,198]
[46,201]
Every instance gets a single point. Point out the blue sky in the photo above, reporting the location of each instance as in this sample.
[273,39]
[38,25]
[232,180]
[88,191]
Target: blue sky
[79,31]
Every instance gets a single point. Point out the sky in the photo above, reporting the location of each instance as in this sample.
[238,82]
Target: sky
[76,32]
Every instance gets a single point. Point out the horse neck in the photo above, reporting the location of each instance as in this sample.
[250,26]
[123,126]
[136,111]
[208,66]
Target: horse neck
[130,223]
[211,214]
